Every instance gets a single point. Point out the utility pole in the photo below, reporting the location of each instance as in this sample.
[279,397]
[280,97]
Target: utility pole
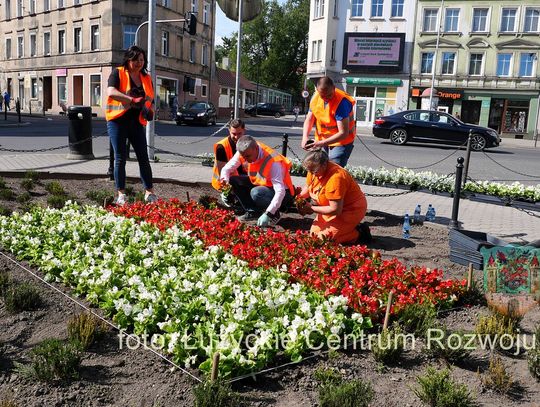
[434,67]
[152,67]
[238,60]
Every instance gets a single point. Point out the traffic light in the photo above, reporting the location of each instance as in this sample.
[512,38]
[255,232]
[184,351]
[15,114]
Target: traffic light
[191,20]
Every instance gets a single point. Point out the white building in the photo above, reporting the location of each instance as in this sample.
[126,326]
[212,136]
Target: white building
[365,46]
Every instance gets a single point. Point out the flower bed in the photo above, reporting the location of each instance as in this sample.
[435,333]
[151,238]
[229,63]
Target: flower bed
[193,299]
[355,272]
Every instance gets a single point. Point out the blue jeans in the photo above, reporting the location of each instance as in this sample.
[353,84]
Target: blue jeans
[255,198]
[119,131]
[340,154]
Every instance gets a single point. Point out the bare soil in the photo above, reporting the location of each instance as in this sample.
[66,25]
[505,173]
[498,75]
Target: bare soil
[111,376]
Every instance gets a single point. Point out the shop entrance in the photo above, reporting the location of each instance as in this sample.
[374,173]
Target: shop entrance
[78,90]
[470,111]
[364,112]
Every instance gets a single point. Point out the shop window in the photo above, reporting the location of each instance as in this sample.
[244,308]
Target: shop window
[34,88]
[95,90]
[356,8]
[480,16]
[516,116]
[62,89]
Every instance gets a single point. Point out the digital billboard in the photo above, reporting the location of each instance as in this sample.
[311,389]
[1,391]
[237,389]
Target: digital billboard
[373,52]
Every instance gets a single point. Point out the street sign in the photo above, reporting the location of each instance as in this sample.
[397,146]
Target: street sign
[305,94]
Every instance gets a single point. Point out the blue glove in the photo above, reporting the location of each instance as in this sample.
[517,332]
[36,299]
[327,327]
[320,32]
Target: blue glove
[264,220]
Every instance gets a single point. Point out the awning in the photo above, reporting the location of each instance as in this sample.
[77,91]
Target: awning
[374,81]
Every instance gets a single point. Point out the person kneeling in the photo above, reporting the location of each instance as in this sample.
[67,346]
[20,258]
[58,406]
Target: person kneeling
[266,188]
[340,205]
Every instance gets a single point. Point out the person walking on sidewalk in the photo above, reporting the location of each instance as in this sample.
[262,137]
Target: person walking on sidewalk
[296,111]
[332,110]
[339,203]
[266,188]
[130,95]
[7,100]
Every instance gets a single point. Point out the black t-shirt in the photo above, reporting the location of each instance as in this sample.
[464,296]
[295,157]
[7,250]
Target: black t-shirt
[134,91]
[221,154]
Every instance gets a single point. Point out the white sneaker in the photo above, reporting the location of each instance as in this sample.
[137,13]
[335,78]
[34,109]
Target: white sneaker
[150,198]
[121,200]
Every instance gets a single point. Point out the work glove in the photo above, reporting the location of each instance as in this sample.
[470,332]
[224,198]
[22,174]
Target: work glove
[264,220]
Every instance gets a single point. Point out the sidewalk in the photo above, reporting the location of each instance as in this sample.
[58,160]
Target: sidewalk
[508,223]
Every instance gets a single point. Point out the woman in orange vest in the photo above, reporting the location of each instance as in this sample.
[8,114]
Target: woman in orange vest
[339,203]
[332,111]
[130,96]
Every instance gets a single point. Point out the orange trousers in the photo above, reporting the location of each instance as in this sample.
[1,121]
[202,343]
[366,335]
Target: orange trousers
[341,227]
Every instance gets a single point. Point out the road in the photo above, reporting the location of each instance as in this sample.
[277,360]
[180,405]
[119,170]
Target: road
[500,164]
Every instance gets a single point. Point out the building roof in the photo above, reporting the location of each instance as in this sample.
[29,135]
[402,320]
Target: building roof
[228,79]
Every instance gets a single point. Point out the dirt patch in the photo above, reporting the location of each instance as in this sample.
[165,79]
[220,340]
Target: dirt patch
[111,376]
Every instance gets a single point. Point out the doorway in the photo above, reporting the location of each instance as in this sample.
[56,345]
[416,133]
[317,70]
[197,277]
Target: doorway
[47,93]
[470,111]
[364,112]
[78,90]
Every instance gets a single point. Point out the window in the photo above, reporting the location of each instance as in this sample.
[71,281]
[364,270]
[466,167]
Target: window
[8,48]
[318,12]
[20,47]
[193,6]
[503,64]
[376,8]
[166,3]
[33,45]
[451,20]
[77,39]
[76,2]
[397,8]
[336,8]
[61,4]
[508,20]
[480,16]
[129,35]
[316,47]
[165,43]
[356,8]
[192,51]
[94,37]
[20,8]
[448,63]
[532,16]
[430,19]
[475,64]
[95,90]
[204,90]
[526,63]
[206,10]
[427,62]
[33,88]
[204,56]
[47,43]
[8,9]
[32,6]
[62,89]
[333,51]
[62,41]
[46,5]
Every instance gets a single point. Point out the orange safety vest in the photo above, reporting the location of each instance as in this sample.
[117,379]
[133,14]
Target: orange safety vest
[259,171]
[326,117]
[115,109]
[228,152]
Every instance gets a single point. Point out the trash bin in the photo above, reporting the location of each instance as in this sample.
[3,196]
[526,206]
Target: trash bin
[80,133]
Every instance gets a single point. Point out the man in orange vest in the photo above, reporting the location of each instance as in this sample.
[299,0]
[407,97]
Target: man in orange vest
[224,150]
[266,188]
[332,110]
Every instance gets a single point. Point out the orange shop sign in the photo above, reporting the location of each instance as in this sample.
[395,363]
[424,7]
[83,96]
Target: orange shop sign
[453,94]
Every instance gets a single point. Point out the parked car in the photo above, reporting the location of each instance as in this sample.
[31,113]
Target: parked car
[432,126]
[266,109]
[197,112]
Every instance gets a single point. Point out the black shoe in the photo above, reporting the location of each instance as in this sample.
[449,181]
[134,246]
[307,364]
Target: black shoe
[365,234]
[248,216]
[110,174]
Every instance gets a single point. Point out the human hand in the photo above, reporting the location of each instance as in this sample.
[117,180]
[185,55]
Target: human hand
[308,144]
[264,220]
[136,101]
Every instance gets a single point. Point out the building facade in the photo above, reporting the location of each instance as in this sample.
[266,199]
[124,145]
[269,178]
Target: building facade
[58,53]
[366,47]
[484,60]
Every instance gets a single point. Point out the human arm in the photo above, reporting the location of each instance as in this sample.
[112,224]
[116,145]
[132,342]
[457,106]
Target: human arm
[229,168]
[280,189]
[308,125]
[113,84]
[334,208]
[221,157]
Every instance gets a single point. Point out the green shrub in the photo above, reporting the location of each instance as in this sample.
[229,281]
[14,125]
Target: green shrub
[24,197]
[100,196]
[336,392]
[209,202]
[52,360]
[452,347]
[2,183]
[437,389]
[22,297]
[496,377]
[139,196]
[55,188]
[85,329]
[33,175]
[5,211]
[129,190]
[388,346]
[57,201]
[500,328]
[215,394]
[27,184]
[418,318]
[328,377]
[533,356]
[7,194]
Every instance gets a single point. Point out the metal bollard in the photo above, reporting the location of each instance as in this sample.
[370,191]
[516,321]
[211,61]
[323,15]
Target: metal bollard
[467,158]
[18,109]
[285,140]
[457,194]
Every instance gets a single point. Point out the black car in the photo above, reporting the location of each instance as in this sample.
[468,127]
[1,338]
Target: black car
[196,112]
[266,109]
[432,126]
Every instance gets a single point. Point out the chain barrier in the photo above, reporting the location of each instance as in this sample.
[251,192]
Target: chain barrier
[511,170]
[41,150]
[389,195]
[411,168]
[196,141]
[293,153]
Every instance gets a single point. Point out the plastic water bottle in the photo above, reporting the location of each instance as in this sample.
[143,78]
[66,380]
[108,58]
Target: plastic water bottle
[406,227]
[430,214]
[417,217]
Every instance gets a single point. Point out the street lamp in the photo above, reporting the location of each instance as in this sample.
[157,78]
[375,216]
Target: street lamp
[434,67]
